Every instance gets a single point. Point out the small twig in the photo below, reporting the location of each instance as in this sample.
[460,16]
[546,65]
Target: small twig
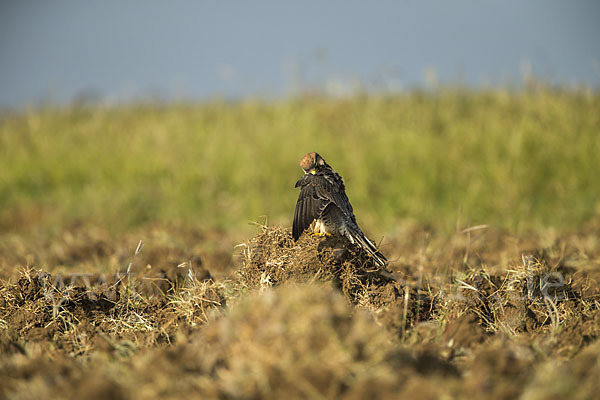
[404,316]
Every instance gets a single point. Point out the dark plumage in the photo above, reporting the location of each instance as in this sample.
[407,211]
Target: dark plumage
[323,200]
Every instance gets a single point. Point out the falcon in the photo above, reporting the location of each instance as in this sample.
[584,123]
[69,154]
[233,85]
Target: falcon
[323,201]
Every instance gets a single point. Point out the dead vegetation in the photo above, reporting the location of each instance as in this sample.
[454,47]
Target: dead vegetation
[482,317]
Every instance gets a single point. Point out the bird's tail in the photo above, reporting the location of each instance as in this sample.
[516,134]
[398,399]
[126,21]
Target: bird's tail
[356,236]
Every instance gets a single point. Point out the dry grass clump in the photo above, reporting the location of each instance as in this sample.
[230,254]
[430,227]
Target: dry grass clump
[80,318]
[272,257]
[528,297]
[532,299]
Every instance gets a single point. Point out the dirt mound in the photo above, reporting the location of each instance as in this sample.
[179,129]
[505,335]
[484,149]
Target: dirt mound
[273,257]
[299,341]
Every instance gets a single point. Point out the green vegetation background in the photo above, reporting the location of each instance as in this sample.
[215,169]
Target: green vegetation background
[519,160]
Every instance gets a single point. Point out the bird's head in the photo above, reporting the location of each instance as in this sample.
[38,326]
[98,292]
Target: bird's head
[311,163]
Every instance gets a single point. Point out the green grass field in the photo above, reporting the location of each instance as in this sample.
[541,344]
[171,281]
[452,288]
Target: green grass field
[129,267]
[519,160]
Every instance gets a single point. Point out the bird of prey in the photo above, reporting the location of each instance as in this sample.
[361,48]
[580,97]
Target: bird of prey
[323,201]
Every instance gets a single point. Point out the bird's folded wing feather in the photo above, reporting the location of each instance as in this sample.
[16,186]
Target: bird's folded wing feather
[341,200]
[335,193]
[311,202]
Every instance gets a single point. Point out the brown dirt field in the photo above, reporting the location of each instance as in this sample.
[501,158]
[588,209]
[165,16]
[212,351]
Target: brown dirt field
[479,314]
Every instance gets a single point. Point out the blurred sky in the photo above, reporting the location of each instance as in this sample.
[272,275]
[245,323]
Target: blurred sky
[116,51]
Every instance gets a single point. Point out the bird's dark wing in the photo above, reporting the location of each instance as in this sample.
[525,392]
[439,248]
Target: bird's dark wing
[332,187]
[339,198]
[312,201]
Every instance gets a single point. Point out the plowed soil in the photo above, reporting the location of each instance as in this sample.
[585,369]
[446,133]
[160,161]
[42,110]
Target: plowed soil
[479,314]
